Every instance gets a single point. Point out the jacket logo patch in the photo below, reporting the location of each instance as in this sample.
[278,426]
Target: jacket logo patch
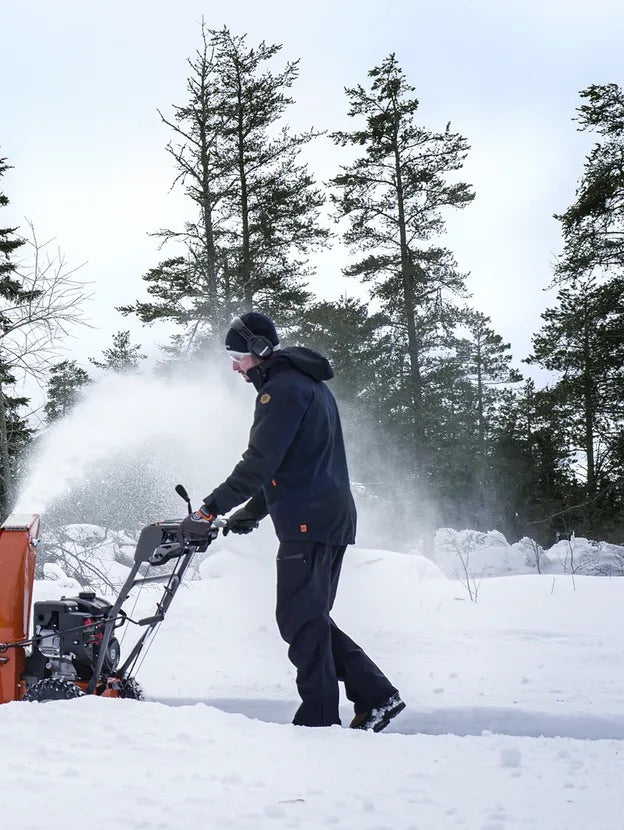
[303,528]
[265,398]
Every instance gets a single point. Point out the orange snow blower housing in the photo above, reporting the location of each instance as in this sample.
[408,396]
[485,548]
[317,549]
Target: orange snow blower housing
[18,553]
[72,649]
[18,540]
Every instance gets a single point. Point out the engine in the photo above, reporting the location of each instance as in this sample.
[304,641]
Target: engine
[67,638]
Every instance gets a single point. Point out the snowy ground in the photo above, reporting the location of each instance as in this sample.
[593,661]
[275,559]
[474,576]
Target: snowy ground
[515,712]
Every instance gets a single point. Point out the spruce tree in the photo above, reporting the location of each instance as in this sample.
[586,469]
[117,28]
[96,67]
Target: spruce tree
[122,356]
[64,387]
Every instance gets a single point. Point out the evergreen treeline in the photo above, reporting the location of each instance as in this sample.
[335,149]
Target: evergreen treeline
[439,420]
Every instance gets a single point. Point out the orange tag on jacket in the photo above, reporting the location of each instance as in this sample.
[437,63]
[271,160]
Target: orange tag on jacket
[303,528]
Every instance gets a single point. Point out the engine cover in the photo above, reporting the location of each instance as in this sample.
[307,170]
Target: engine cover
[68,633]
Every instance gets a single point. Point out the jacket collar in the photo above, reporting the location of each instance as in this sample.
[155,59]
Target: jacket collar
[260,373]
[256,376]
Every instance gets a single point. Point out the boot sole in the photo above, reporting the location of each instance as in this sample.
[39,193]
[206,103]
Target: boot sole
[392,713]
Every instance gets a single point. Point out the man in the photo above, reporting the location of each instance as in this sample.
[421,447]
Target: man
[295,470]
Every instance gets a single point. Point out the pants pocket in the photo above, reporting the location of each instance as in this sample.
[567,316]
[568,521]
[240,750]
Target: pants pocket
[293,557]
[294,552]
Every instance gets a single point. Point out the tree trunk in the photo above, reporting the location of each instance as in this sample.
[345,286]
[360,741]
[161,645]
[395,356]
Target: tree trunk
[242,173]
[482,460]
[589,413]
[206,206]
[480,405]
[409,297]
[6,480]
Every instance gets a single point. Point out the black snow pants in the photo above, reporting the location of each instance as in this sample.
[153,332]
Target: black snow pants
[307,579]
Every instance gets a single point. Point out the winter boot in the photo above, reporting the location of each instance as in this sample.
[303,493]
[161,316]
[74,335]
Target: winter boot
[379,717]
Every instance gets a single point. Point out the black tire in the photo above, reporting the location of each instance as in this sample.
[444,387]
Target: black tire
[130,689]
[53,688]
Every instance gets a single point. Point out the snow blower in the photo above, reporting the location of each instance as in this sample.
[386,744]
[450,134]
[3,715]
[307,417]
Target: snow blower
[73,650]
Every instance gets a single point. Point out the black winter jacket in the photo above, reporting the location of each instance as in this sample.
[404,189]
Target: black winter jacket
[295,466]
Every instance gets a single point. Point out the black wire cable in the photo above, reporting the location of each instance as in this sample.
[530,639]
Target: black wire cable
[87,629]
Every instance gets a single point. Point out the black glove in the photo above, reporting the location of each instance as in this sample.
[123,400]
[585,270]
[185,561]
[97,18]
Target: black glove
[242,521]
[197,527]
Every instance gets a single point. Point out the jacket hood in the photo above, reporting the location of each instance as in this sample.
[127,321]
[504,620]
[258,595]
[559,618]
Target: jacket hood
[304,360]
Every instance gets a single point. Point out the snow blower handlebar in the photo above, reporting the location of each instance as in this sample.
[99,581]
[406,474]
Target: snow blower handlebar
[181,491]
[158,543]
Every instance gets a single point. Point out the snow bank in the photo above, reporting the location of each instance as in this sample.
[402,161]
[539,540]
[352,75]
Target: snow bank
[585,556]
[474,555]
[90,556]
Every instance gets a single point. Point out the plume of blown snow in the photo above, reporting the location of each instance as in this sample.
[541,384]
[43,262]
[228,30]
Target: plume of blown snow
[132,438]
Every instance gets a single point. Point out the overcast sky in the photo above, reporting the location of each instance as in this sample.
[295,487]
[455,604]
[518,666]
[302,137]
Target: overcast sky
[81,82]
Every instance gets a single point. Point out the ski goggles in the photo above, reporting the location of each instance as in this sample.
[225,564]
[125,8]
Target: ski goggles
[237,356]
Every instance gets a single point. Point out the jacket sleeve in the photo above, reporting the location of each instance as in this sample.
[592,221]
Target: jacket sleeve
[280,407]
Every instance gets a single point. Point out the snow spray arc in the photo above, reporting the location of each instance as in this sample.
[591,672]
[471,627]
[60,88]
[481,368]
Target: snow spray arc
[113,460]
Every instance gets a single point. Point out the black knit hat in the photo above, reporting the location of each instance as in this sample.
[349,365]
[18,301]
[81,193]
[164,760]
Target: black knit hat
[259,325]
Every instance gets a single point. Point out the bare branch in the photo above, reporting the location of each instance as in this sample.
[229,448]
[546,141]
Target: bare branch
[49,306]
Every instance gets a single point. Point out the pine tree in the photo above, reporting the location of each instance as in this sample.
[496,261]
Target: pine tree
[581,339]
[467,383]
[64,388]
[274,205]
[486,365]
[257,205]
[394,196]
[350,337]
[486,361]
[9,244]
[532,467]
[18,434]
[354,342]
[122,356]
[593,226]
[13,430]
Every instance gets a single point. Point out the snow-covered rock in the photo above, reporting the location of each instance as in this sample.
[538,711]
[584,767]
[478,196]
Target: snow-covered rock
[54,572]
[477,554]
[473,554]
[585,556]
